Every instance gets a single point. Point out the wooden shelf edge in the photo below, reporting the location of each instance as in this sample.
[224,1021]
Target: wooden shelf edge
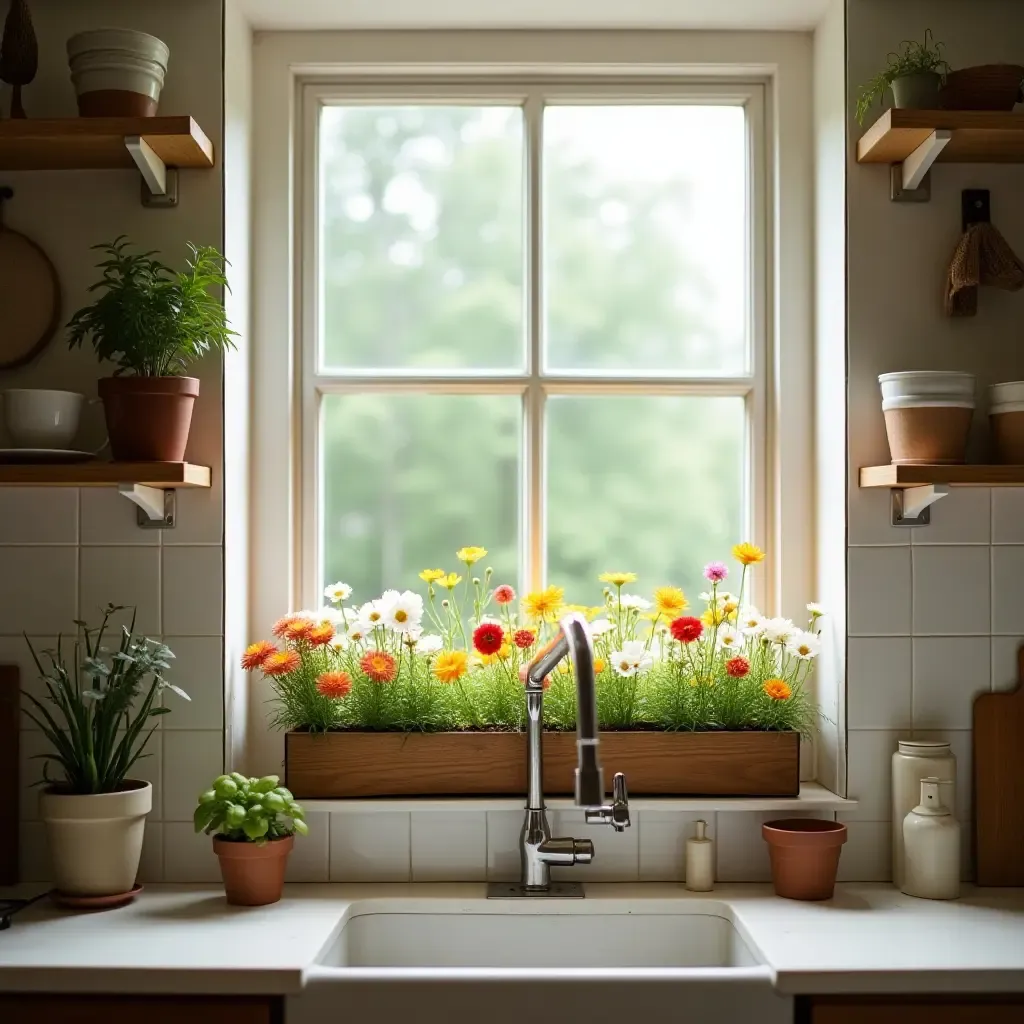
[879,143]
[162,475]
[952,476]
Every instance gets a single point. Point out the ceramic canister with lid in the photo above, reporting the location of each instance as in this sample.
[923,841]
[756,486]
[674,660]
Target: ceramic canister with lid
[913,761]
[931,848]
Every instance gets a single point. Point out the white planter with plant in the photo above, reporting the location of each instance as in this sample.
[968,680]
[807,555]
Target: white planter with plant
[915,74]
[96,716]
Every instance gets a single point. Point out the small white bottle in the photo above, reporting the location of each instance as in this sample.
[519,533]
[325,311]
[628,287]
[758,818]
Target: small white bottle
[700,860]
[931,842]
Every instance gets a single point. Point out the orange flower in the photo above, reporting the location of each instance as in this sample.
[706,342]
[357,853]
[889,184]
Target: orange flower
[599,665]
[257,653]
[450,666]
[281,663]
[280,628]
[379,666]
[321,635]
[777,689]
[299,629]
[334,684]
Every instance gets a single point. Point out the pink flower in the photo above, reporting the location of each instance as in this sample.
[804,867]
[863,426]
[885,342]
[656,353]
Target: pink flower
[504,594]
[715,572]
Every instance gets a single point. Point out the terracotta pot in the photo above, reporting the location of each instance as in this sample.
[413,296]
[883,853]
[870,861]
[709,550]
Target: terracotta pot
[1008,433]
[253,873]
[95,839]
[116,103]
[148,418]
[117,72]
[984,87]
[928,434]
[805,856]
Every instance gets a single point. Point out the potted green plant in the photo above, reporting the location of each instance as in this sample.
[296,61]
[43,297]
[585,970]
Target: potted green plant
[915,74]
[96,715]
[253,823]
[152,323]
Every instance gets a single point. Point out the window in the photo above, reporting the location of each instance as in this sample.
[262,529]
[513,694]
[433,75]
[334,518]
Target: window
[532,318]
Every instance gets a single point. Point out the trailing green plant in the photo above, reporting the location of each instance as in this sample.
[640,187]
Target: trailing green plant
[244,810]
[912,58]
[150,320]
[96,713]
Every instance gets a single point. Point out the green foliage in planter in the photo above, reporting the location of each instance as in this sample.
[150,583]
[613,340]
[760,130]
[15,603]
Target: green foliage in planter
[150,320]
[96,713]
[244,810]
[912,58]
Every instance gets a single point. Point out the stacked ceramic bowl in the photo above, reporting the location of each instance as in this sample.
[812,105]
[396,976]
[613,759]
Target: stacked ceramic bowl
[927,415]
[117,72]
[1006,412]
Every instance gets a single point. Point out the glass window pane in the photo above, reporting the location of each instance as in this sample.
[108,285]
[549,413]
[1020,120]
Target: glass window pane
[651,485]
[409,479]
[645,228]
[421,237]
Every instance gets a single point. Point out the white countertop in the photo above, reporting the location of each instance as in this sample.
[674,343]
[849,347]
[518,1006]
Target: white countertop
[868,939]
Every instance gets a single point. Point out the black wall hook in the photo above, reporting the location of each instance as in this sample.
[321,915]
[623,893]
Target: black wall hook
[975,207]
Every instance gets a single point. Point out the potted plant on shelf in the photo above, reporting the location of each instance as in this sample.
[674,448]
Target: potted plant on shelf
[915,74]
[253,823]
[96,715]
[375,705]
[152,323]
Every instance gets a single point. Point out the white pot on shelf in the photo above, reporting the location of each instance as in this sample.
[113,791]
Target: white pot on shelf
[117,72]
[938,385]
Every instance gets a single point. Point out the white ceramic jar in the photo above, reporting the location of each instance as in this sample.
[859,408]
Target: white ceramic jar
[913,761]
[931,841]
[700,860]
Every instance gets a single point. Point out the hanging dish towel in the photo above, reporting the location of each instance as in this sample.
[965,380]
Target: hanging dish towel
[982,256]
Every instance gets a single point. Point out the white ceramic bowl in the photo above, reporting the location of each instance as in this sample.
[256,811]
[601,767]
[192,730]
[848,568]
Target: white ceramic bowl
[118,59]
[1011,391]
[928,384]
[36,418]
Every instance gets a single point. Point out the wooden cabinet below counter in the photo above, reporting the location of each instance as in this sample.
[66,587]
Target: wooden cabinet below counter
[101,1009]
[952,1009]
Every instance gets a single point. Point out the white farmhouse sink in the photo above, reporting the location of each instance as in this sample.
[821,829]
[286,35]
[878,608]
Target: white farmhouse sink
[474,960]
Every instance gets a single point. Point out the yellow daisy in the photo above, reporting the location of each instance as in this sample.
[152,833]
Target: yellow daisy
[432,575]
[747,553]
[451,581]
[450,666]
[670,601]
[544,604]
[470,555]
[618,579]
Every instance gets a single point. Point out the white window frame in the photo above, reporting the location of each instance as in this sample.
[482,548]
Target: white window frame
[532,384]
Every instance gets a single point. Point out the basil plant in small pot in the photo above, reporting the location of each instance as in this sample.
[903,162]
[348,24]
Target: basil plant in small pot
[98,716]
[152,323]
[253,823]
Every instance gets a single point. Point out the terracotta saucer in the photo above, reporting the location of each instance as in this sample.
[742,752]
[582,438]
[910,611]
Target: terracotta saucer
[118,899]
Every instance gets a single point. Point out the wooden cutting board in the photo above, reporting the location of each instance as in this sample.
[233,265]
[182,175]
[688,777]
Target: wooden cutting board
[10,726]
[999,785]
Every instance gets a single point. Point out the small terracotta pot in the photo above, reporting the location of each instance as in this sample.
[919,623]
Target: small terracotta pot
[1008,434]
[148,418]
[253,873]
[116,103]
[805,856]
[928,434]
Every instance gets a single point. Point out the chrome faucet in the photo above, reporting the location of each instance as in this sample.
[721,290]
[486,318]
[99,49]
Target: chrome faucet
[538,849]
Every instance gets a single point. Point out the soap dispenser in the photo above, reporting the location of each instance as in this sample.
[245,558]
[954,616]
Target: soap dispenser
[931,839]
[700,860]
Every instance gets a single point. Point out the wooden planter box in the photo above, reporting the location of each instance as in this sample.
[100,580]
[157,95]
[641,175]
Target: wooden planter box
[339,765]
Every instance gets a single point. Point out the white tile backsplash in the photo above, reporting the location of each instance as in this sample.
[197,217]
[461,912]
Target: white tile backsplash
[151,864]
[38,590]
[949,672]
[878,683]
[188,857]
[1005,662]
[867,853]
[192,760]
[963,516]
[952,590]
[38,515]
[109,518]
[193,591]
[879,591]
[741,852]
[503,828]
[372,847]
[663,836]
[125,576]
[869,773]
[33,852]
[198,668]
[1007,515]
[449,847]
[310,859]
[1008,590]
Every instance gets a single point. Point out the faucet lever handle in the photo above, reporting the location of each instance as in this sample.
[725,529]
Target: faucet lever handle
[619,793]
[616,813]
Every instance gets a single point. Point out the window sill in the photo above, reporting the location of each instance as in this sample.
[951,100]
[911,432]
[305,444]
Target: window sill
[813,797]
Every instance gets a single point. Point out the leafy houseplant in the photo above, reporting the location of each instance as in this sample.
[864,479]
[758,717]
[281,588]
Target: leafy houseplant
[915,73]
[253,823]
[97,716]
[152,323]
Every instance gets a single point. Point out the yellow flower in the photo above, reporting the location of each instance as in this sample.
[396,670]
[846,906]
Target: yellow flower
[618,579]
[544,604]
[503,653]
[777,689]
[432,575]
[713,617]
[670,601]
[470,555]
[599,665]
[450,582]
[747,553]
[450,666]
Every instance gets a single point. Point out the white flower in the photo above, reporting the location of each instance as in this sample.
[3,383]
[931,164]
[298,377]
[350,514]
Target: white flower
[338,592]
[803,645]
[779,630]
[704,595]
[752,622]
[357,632]
[635,601]
[404,612]
[816,610]
[485,619]
[332,615]
[372,613]
[429,643]
[410,636]
[600,626]
[340,641]
[634,658]
[730,639]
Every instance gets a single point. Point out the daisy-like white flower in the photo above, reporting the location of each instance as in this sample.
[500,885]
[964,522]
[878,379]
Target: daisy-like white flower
[816,610]
[779,630]
[635,601]
[730,639]
[600,626]
[803,645]
[404,612]
[334,616]
[357,632]
[341,641]
[429,643]
[372,613]
[752,622]
[338,592]
[633,659]
[411,636]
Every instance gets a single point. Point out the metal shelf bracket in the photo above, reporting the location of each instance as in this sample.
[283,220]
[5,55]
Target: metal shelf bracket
[911,506]
[159,182]
[155,507]
[909,181]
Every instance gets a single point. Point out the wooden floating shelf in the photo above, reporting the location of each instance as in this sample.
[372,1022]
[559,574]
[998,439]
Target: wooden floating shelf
[951,476]
[159,475]
[97,143]
[976,136]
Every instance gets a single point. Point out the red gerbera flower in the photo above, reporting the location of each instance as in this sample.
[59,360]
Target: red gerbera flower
[379,666]
[737,667]
[524,638]
[686,629]
[488,638]
[504,594]
[257,653]
[334,684]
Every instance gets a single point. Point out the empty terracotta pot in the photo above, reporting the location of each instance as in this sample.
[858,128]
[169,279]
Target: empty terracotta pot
[253,873]
[928,434]
[804,854]
[148,418]
[1008,433]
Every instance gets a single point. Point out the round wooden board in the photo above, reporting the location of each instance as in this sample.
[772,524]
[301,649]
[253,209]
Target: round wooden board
[29,299]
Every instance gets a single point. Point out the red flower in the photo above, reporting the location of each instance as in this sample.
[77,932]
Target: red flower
[686,629]
[504,594]
[737,667]
[322,634]
[379,666]
[334,684]
[257,653]
[524,638]
[488,638]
